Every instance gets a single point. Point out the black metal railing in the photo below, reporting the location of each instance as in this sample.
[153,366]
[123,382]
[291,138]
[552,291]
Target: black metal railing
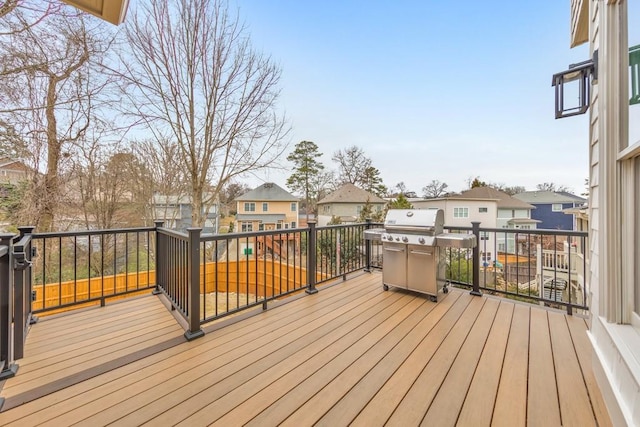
[206,276]
[244,270]
[88,267]
[538,266]
[15,298]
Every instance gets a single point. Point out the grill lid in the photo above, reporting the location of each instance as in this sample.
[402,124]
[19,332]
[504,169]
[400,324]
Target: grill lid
[414,221]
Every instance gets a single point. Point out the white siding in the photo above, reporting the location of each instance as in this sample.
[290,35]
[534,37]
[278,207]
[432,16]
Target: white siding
[617,369]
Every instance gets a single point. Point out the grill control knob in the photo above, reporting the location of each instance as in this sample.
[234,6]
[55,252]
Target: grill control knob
[405,239]
[397,239]
[421,240]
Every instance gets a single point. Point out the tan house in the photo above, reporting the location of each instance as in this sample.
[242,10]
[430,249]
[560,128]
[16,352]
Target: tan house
[268,207]
[12,171]
[614,201]
[346,204]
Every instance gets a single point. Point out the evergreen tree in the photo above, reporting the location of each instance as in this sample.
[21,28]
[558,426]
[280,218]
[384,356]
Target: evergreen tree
[306,171]
[400,202]
[372,182]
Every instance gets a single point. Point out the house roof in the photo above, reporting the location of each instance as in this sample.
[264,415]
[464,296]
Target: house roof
[545,197]
[8,163]
[349,193]
[504,201]
[268,192]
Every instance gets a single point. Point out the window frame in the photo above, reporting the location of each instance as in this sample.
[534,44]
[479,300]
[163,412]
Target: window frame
[554,207]
[249,206]
[265,207]
[458,210]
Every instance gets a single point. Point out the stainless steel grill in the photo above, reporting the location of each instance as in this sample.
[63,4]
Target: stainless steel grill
[412,244]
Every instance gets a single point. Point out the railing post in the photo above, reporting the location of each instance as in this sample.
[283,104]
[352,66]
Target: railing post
[21,290]
[24,230]
[8,368]
[193,280]
[367,247]
[158,224]
[311,258]
[475,225]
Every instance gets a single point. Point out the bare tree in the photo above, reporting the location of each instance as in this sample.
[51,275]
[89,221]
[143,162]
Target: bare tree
[352,165]
[160,175]
[190,72]
[100,180]
[50,90]
[551,186]
[434,189]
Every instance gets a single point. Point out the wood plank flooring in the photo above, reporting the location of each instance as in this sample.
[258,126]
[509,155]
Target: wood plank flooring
[352,354]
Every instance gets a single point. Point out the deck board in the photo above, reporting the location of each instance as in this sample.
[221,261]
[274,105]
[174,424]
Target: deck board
[543,408]
[350,354]
[511,401]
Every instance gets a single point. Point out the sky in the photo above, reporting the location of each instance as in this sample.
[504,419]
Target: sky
[430,90]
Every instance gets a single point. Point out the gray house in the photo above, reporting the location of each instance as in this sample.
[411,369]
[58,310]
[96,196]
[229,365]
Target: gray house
[175,211]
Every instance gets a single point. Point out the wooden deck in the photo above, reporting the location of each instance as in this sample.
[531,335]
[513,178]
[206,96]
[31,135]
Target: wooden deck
[351,354]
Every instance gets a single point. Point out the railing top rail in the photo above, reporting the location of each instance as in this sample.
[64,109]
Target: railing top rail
[51,234]
[19,245]
[537,231]
[173,233]
[338,226]
[208,237]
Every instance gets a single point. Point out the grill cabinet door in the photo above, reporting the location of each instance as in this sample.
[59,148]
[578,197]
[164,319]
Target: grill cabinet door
[394,271]
[421,266]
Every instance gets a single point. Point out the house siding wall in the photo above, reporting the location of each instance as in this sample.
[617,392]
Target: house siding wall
[552,220]
[614,368]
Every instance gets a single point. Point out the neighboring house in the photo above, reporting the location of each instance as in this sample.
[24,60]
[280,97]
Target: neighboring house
[614,204]
[268,207]
[550,208]
[12,171]
[346,204]
[175,211]
[493,209]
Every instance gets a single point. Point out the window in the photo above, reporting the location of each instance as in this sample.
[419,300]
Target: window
[293,224]
[247,226]
[279,226]
[483,210]
[326,208]
[556,207]
[294,206]
[358,209]
[260,227]
[461,212]
[249,207]
[486,256]
[265,206]
[484,235]
[286,225]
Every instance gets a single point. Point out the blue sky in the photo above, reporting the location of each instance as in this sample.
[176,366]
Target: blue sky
[428,89]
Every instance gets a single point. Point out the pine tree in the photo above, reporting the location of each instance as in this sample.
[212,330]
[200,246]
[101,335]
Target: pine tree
[306,171]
